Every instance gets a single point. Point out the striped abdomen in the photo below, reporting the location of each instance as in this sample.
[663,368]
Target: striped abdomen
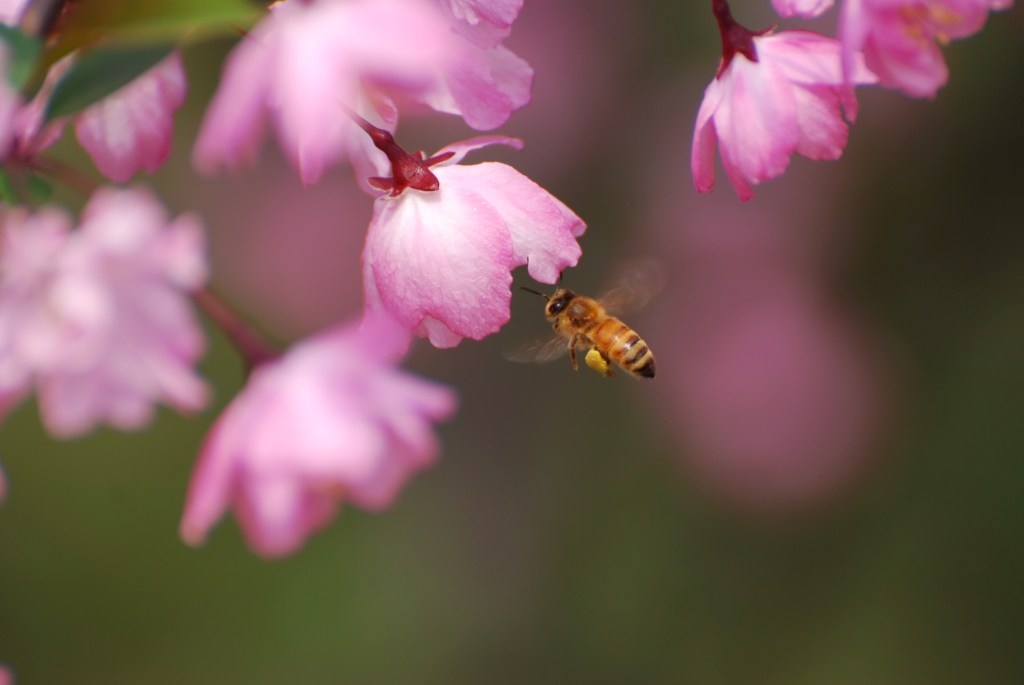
[622,345]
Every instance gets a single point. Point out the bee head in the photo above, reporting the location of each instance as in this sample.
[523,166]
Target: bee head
[558,302]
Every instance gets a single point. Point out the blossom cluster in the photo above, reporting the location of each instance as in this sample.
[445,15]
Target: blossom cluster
[97,313]
[788,92]
[96,319]
[96,316]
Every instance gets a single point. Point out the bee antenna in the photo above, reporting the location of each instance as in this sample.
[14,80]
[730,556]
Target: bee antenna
[530,290]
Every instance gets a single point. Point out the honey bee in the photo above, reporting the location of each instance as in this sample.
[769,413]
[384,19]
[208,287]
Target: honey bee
[582,321]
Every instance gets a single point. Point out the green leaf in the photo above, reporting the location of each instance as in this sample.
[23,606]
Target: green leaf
[39,189]
[20,187]
[99,73]
[7,193]
[156,20]
[22,54]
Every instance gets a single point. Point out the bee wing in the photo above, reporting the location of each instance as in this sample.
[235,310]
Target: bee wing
[539,351]
[634,285]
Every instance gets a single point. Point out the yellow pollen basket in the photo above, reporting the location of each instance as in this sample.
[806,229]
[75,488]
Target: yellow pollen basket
[597,362]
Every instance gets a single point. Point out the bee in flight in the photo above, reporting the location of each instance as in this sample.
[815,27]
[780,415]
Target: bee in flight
[584,321]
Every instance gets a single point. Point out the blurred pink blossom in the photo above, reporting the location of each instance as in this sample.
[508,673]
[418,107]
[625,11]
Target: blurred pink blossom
[98,320]
[6,677]
[132,128]
[30,249]
[128,130]
[899,38]
[440,261]
[802,8]
[776,396]
[486,22]
[332,420]
[307,61]
[10,14]
[774,94]
[30,133]
[10,101]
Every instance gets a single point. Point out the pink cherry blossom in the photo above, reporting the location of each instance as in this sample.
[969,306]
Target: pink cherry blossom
[486,22]
[332,420]
[774,94]
[131,129]
[802,8]
[484,85]
[98,320]
[126,131]
[777,397]
[308,61]
[440,258]
[900,38]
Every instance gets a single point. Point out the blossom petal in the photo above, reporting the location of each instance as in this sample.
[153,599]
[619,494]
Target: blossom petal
[233,125]
[484,86]
[755,147]
[802,8]
[705,140]
[441,256]
[464,147]
[131,129]
[543,230]
[310,128]
[823,133]
[485,22]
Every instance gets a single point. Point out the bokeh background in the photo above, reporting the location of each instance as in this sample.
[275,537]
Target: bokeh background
[821,486]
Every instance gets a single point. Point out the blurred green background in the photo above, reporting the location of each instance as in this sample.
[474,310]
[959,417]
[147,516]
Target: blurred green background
[565,535]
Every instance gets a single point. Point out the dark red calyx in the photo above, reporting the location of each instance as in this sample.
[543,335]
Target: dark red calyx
[407,170]
[736,38]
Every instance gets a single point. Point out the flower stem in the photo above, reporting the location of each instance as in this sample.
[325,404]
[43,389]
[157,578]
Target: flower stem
[64,173]
[42,18]
[253,347]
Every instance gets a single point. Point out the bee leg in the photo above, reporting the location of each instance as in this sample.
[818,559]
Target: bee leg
[573,342]
[607,365]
